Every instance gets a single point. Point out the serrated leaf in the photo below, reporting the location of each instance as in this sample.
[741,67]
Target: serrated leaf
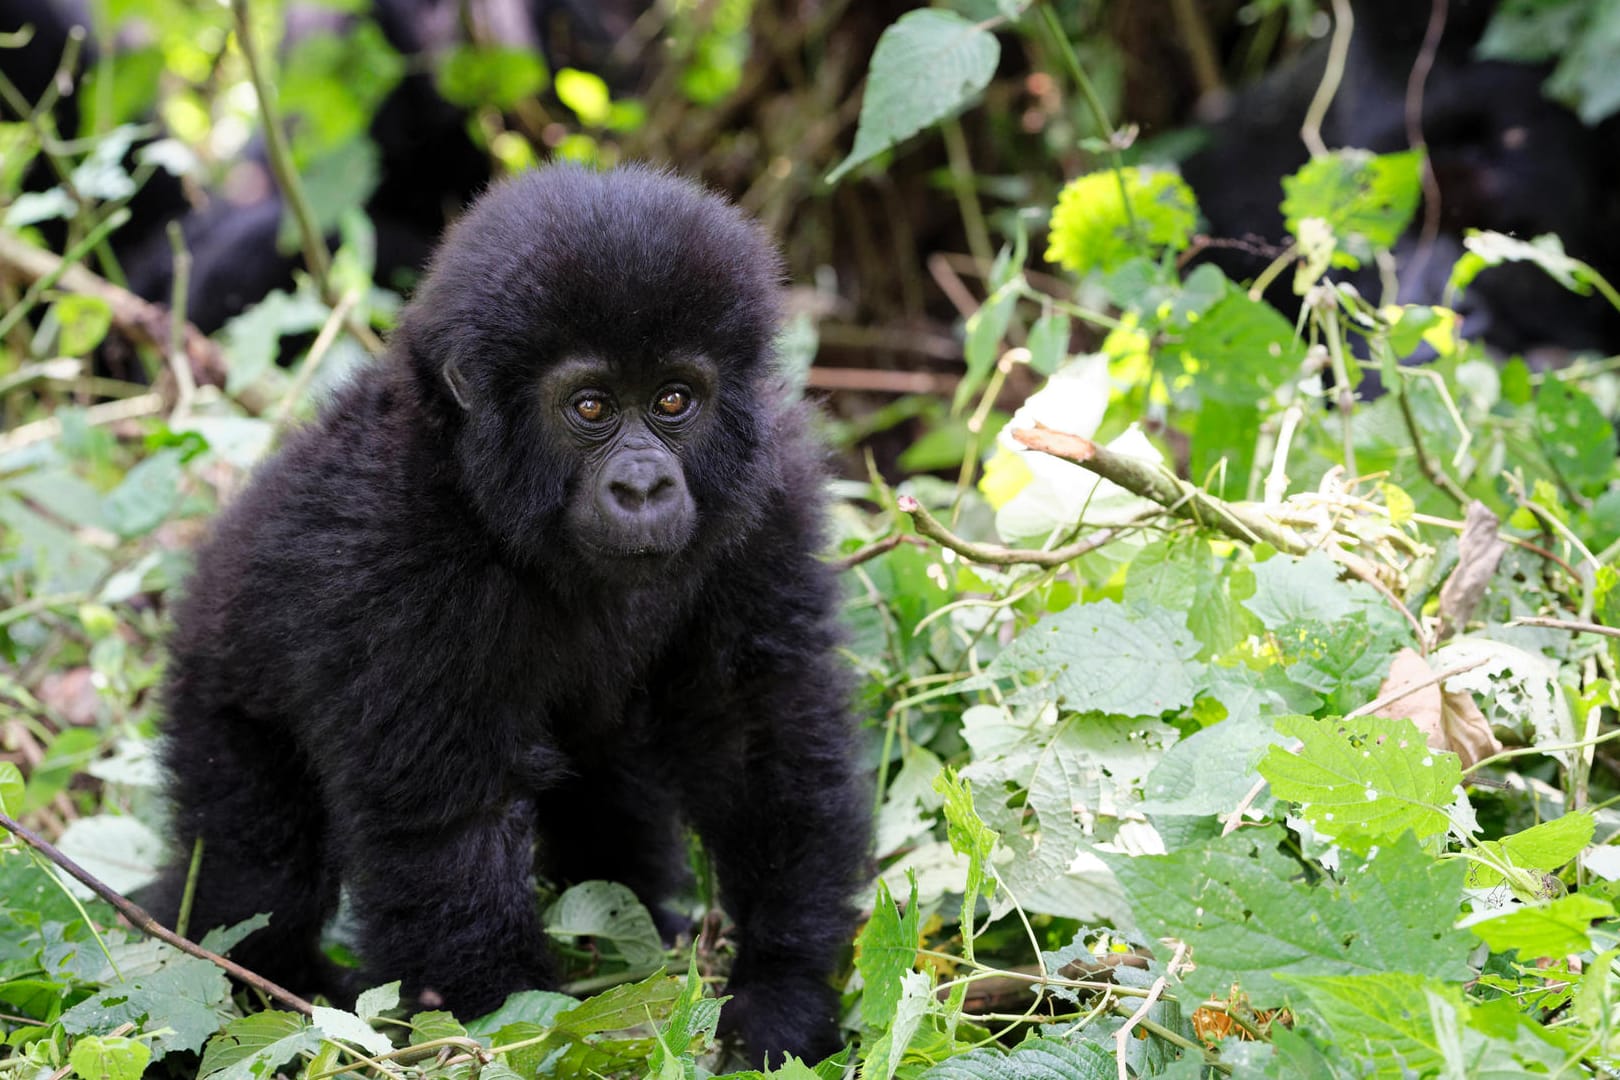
[1033,1059]
[1249,915]
[374,1002]
[1382,1018]
[254,1047]
[622,1007]
[109,1057]
[1108,658]
[916,1001]
[928,65]
[885,951]
[610,912]
[346,1026]
[1552,928]
[1363,781]
[1091,228]
[1366,199]
[182,993]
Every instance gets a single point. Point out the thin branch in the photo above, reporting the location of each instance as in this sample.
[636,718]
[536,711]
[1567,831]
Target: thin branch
[108,412]
[874,549]
[996,554]
[1431,468]
[1122,1037]
[185,387]
[1566,624]
[142,921]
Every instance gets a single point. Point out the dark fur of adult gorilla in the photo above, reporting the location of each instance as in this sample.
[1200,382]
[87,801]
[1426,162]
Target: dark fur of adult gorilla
[536,591]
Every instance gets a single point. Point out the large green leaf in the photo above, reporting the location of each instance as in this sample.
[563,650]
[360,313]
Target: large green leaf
[1109,658]
[1249,914]
[1366,199]
[255,1047]
[927,66]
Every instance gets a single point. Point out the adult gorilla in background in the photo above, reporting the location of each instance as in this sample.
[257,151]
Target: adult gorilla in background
[536,590]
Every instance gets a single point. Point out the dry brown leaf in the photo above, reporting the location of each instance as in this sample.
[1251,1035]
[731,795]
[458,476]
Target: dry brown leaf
[1449,720]
[1479,550]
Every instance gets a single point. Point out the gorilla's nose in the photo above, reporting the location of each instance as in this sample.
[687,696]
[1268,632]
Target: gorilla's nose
[642,486]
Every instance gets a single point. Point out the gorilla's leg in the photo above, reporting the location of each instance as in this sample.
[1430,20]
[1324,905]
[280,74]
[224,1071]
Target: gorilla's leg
[449,909]
[616,824]
[243,791]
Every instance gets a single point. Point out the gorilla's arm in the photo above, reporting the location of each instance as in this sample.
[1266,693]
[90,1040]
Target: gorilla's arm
[780,801]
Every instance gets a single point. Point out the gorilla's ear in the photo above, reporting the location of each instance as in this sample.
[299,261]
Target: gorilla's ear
[451,373]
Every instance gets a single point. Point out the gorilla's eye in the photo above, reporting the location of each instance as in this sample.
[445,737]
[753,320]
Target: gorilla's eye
[673,401]
[591,408]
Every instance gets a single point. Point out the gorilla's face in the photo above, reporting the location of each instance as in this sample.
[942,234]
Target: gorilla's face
[597,350]
[630,431]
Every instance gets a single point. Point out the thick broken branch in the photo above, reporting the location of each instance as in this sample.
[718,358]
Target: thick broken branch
[144,322]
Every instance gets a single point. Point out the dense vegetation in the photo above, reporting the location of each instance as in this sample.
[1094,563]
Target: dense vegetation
[1225,720]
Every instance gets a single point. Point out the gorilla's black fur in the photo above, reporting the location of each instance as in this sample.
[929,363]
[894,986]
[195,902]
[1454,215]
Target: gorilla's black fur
[410,662]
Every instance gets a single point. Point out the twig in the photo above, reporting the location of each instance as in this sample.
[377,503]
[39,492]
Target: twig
[1406,691]
[185,387]
[1094,102]
[317,353]
[1431,468]
[142,921]
[1122,1037]
[996,554]
[142,321]
[1566,624]
[108,412]
[874,549]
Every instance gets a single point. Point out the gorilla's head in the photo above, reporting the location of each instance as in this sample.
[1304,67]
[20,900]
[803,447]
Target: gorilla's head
[597,347]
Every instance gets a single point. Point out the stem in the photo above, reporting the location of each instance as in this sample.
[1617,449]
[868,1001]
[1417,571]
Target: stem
[1344,21]
[45,281]
[142,921]
[185,386]
[967,196]
[1094,102]
[182,921]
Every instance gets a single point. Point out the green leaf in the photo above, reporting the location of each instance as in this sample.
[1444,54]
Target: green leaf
[334,83]
[1487,249]
[1577,438]
[254,1047]
[1547,846]
[378,1000]
[1363,781]
[926,67]
[109,1057]
[1239,350]
[610,912]
[473,76]
[885,951]
[985,329]
[222,939]
[1366,199]
[1107,658]
[586,94]
[1249,914]
[690,1028]
[337,182]
[1091,228]
[1383,1018]
[435,1024]
[1049,342]
[82,322]
[1553,928]
[1033,1059]
[147,495]
[624,1006]
[186,995]
[252,338]
[119,849]
[526,1007]
[346,1026]
[11,788]
[916,1001]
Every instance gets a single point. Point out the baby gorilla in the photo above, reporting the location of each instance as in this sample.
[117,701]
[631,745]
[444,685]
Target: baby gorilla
[537,590]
